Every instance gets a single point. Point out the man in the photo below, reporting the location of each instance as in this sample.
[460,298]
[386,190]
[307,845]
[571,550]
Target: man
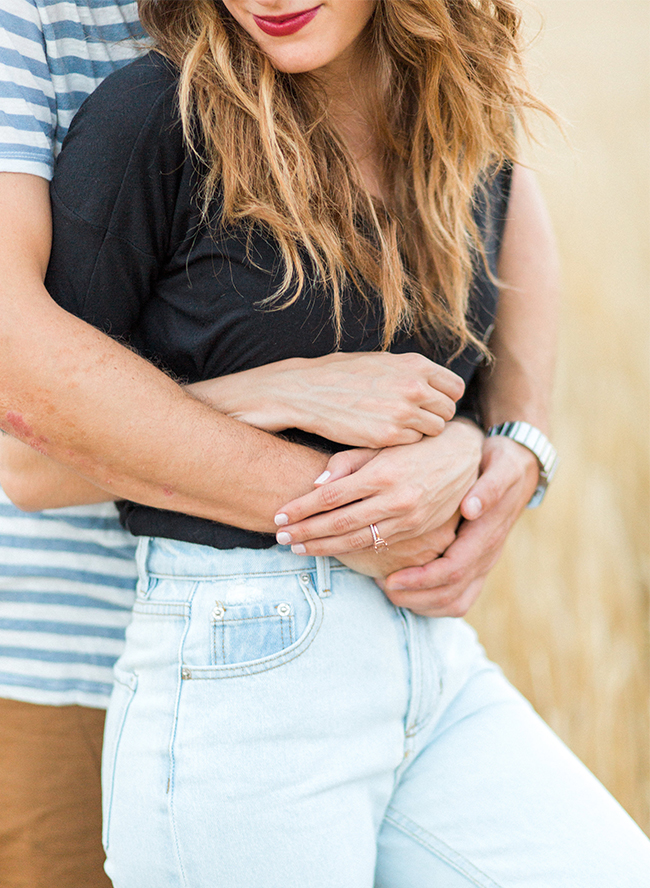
[67,576]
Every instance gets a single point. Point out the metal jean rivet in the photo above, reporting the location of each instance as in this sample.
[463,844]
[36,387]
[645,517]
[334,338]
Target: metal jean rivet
[186,673]
[305,578]
[218,611]
[283,609]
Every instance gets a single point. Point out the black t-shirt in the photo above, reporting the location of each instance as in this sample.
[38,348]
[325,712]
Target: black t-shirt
[131,255]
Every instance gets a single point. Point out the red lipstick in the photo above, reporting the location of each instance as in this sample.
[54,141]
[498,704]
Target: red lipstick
[283,25]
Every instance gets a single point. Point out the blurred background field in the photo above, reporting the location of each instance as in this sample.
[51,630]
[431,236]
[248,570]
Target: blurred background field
[566,611]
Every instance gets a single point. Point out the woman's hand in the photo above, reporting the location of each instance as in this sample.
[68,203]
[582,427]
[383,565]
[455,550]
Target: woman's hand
[359,399]
[449,585]
[406,491]
[408,553]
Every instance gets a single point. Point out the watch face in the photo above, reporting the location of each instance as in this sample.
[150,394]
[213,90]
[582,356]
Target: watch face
[537,497]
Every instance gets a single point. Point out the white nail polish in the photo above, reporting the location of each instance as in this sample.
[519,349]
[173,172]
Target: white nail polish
[283,538]
[298,549]
[281,519]
[322,478]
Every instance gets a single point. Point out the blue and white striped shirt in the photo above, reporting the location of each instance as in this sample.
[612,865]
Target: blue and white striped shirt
[67,580]
[67,576]
[53,53]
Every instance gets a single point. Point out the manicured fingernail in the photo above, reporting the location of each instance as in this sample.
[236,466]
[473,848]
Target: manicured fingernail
[298,549]
[395,587]
[474,507]
[281,519]
[283,538]
[322,478]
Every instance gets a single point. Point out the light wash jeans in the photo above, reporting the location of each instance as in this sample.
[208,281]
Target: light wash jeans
[277,723]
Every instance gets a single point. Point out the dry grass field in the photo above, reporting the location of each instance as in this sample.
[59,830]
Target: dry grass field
[566,610]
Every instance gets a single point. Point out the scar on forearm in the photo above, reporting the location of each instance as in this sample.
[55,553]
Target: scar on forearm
[21,430]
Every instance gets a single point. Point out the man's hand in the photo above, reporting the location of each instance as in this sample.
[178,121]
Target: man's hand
[449,585]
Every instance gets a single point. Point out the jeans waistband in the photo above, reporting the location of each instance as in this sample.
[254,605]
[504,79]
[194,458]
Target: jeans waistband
[159,557]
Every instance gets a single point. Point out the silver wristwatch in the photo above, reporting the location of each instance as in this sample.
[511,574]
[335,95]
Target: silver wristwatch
[538,444]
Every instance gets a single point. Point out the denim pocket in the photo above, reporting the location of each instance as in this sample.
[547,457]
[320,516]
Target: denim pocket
[124,687]
[255,623]
[243,632]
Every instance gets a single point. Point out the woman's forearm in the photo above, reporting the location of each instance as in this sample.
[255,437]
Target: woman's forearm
[358,399]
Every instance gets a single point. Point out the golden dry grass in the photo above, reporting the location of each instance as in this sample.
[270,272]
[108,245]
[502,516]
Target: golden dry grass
[566,610]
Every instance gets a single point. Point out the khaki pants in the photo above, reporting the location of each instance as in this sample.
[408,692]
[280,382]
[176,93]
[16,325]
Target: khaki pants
[50,796]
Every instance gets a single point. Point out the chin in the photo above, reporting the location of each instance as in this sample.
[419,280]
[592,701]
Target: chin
[300,63]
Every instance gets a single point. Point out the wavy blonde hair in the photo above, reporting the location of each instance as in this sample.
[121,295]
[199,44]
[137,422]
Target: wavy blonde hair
[448,88]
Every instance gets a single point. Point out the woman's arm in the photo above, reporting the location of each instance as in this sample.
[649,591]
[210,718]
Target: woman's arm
[359,399]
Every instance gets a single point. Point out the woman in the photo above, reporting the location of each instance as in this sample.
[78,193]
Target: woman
[276,720]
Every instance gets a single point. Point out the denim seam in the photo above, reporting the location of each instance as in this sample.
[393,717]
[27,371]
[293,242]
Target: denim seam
[131,686]
[247,619]
[440,849]
[414,648]
[172,738]
[192,578]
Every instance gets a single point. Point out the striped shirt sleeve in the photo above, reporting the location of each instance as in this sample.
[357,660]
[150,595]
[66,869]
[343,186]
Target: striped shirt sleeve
[28,112]
[53,53]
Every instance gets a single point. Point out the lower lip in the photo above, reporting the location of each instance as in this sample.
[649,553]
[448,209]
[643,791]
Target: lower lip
[282,27]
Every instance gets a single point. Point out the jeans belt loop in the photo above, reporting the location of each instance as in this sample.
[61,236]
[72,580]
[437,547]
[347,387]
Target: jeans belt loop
[142,559]
[323,581]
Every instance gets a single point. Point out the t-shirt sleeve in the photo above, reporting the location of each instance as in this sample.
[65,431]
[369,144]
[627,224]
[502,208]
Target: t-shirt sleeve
[114,196]
[490,211]
[27,95]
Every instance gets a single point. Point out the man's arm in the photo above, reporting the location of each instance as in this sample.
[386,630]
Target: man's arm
[33,482]
[83,399]
[517,388]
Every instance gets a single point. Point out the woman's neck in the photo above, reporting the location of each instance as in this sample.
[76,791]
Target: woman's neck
[351,114]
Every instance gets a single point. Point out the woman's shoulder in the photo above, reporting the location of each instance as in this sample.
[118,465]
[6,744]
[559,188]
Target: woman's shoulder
[127,130]
[135,88]
[491,207]
[139,94]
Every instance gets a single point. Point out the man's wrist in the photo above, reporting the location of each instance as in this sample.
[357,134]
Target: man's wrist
[538,444]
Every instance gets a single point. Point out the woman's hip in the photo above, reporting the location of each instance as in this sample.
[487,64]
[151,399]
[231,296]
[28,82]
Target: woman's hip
[261,687]
[210,615]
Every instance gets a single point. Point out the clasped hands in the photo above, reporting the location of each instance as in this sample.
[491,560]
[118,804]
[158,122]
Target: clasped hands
[441,494]
[446,517]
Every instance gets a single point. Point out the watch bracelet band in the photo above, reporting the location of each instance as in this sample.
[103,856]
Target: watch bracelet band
[539,445]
